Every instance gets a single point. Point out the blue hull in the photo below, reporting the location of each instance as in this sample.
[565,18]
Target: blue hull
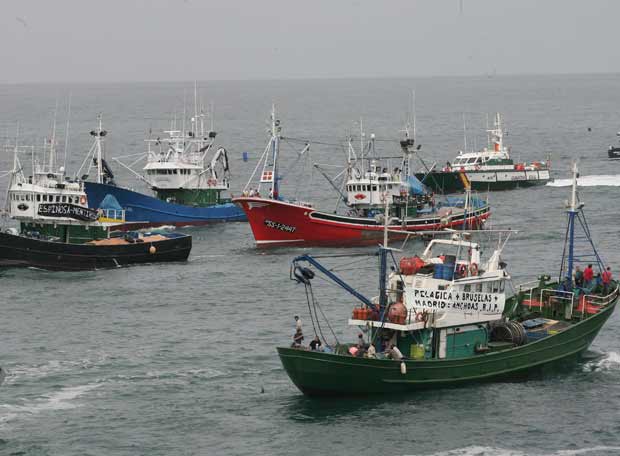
[144,211]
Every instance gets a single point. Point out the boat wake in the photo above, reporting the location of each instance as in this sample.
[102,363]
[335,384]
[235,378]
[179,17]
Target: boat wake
[608,362]
[602,180]
[490,451]
[59,400]
[24,372]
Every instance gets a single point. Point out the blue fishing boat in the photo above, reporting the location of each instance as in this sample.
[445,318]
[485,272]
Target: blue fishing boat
[186,177]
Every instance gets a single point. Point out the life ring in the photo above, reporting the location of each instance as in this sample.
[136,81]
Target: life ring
[473,269]
[211,182]
[421,317]
[462,270]
[82,200]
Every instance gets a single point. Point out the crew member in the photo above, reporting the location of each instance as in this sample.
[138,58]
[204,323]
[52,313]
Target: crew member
[606,280]
[588,275]
[395,353]
[315,344]
[578,277]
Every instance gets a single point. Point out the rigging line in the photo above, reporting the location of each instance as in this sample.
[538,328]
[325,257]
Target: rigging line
[326,321]
[362,268]
[357,260]
[321,143]
[316,314]
[309,308]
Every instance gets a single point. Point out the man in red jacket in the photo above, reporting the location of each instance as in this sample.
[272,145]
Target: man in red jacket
[606,277]
[588,275]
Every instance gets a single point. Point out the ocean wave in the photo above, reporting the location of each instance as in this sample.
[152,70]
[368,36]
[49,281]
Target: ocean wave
[602,180]
[490,451]
[609,362]
[191,374]
[21,372]
[59,400]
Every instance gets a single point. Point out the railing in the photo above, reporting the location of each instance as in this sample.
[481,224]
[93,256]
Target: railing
[528,289]
[602,300]
[106,215]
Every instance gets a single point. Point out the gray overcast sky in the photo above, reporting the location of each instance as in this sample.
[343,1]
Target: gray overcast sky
[160,40]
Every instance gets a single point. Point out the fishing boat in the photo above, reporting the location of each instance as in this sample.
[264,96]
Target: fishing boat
[59,231]
[187,176]
[444,318]
[614,151]
[279,222]
[487,170]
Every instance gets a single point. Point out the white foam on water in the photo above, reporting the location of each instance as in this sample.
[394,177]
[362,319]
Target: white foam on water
[173,375]
[609,362]
[59,400]
[490,451]
[602,180]
[21,372]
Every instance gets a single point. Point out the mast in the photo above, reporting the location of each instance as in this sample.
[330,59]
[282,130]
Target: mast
[572,212]
[52,155]
[383,250]
[275,150]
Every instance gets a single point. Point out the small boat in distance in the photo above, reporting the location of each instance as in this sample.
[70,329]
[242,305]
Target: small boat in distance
[614,151]
[444,318]
[59,231]
[370,182]
[487,170]
[184,172]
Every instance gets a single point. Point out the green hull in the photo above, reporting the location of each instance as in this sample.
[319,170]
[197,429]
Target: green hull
[318,373]
[453,182]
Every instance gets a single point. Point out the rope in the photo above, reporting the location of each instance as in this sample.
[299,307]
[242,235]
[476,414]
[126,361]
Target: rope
[316,304]
[309,308]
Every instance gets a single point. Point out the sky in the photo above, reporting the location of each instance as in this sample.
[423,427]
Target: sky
[186,40]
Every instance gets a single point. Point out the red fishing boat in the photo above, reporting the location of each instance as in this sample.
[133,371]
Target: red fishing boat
[367,195]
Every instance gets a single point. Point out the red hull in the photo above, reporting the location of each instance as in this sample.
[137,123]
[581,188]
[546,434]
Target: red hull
[278,223]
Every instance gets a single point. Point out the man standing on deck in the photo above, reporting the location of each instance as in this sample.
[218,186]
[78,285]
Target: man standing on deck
[297,323]
[606,280]
[578,277]
[588,275]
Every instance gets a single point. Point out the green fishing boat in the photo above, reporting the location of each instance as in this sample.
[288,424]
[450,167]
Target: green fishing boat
[444,318]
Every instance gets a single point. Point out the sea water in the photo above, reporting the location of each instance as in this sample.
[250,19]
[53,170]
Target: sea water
[180,358]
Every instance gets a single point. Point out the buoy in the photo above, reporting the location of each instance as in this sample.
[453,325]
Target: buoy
[403,368]
[82,200]
[152,249]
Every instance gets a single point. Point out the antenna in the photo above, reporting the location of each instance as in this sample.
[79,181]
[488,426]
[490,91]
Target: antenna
[64,159]
[464,134]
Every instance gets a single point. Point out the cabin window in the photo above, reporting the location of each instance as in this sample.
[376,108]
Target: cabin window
[174,171]
[374,188]
[501,286]
[58,198]
[467,287]
[442,287]
[38,197]
[479,287]
[64,199]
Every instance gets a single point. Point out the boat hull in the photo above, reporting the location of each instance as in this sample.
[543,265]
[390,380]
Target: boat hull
[455,181]
[20,251]
[318,373]
[279,223]
[143,211]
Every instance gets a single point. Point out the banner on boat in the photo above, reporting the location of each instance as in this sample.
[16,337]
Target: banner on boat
[73,211]
[455,301]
